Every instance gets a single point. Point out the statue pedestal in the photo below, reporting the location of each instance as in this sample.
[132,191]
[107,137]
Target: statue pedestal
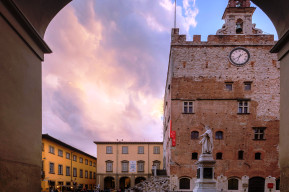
[205,174]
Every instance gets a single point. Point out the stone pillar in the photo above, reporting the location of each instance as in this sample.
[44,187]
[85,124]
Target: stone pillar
[270,184]
[173,182]
[222,183]
[132,180]
[22,50]
[245,183]
[205,174]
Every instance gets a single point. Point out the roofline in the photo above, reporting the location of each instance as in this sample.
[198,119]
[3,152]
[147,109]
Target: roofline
[46,136]
[127,142]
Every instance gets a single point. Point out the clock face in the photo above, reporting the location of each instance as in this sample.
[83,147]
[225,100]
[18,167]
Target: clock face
[239,56]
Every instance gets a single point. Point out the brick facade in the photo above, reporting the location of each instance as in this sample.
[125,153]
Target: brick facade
[198,72]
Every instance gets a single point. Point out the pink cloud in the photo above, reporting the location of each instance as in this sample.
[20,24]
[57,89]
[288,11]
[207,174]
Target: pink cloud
[106,77]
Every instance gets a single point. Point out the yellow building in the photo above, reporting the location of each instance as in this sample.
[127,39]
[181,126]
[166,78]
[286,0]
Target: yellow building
[121,164]
[64,167]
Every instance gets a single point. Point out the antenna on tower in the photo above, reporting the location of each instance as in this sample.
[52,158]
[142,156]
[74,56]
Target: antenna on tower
[175,21]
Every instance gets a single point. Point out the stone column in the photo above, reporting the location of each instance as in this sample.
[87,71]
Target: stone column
[205,174]
[173,182]
[268,182]
[222,183]
[245,183]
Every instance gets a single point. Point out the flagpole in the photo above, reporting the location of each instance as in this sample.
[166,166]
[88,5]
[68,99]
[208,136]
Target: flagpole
[175,22]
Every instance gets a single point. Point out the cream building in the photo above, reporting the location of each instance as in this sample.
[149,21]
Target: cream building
[64,167]
[121,165]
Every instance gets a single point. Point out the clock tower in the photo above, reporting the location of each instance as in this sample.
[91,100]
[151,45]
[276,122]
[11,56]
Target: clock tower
[238,19]
[231,83]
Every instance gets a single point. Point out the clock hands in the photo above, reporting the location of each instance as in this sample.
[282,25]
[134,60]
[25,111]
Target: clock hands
[239,57]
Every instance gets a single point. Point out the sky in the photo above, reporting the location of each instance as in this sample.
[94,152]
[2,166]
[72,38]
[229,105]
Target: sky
[106,76]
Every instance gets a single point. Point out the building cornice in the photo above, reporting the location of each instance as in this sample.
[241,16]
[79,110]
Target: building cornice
[48,137]
[127,142]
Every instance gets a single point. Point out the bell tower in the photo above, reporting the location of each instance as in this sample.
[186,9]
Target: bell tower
[238,19]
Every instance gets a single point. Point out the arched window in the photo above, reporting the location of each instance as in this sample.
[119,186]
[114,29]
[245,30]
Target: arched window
[233,184]
[238,3]
[240,155]
[184,183]
[239,26]
[258,156]
[219,135]
[194,155]
[194,135]
[219,155]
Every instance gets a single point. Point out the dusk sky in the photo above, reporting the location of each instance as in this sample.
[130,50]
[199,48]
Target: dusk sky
[106,76]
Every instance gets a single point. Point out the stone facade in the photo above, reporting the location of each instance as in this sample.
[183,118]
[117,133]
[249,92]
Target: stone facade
[201,78]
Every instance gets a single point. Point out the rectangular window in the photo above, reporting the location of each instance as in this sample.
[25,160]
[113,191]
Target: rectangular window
[80,160]
[229,86]
[90,174]
[86,174]
[80,173]
[74,172]
[240,155]
[108,149]
[60,169]
[195,155]
[86,162]
[259,133]
[94,164]
[67,171]
[188,107]
[140,150]
[60,153]
[67,155]
[243,107]
[74,158]
[109,166]
[124,149]
[51,168]
[140,166]
[94,175]
[247,86]
[90,163]
[124,166]
[156,150]
[51,149]
[257,156]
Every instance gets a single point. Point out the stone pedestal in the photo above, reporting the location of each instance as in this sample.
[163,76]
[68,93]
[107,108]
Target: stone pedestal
[205,174]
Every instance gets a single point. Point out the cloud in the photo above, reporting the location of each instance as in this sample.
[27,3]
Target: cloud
[106,77]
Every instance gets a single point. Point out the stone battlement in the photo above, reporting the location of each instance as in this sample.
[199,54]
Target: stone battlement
[223,40]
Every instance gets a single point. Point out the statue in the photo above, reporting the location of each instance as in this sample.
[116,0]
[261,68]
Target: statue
[207,141]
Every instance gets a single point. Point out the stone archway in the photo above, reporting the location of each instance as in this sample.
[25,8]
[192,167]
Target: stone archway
[124,183]
[139,179]
[23,24]
[109,183]
[256,184]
